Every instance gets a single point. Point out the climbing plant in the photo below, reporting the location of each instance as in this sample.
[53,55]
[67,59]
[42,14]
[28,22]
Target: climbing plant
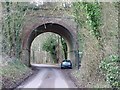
[88,14]
[13,20]
[64,47]
[12,25]
[110,66]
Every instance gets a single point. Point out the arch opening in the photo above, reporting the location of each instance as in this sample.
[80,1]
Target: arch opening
[48,48]
[66,33]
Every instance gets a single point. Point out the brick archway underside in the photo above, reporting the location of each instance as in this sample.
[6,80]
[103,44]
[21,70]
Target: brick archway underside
[60,28]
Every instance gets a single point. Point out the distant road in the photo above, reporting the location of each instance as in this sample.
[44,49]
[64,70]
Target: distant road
[48,76]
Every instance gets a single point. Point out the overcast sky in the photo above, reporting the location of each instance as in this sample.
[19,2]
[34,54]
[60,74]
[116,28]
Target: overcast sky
[59,0]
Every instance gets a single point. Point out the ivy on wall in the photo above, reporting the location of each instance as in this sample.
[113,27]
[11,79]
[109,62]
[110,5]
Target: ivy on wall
[88,14]
[12,25]
[13,20]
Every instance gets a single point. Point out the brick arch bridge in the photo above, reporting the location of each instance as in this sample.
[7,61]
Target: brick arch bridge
[55,25]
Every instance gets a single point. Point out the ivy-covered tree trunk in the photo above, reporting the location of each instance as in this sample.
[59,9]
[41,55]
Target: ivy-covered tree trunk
[64,47]
[13,19]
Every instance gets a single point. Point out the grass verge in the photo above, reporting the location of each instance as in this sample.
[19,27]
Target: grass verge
[13,72]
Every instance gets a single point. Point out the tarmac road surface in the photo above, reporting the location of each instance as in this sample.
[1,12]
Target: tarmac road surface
[48,76]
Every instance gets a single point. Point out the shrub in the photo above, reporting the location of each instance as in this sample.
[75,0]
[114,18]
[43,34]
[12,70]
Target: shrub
[110,66]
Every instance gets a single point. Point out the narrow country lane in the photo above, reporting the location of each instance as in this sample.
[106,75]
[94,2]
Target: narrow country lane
[48,76]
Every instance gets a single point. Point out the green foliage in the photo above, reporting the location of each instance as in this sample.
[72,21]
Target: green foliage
[49,45]
[117,5]
[13,19]
[12,68]
[111,67]
[79,13]
[88,14]
[64,45]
